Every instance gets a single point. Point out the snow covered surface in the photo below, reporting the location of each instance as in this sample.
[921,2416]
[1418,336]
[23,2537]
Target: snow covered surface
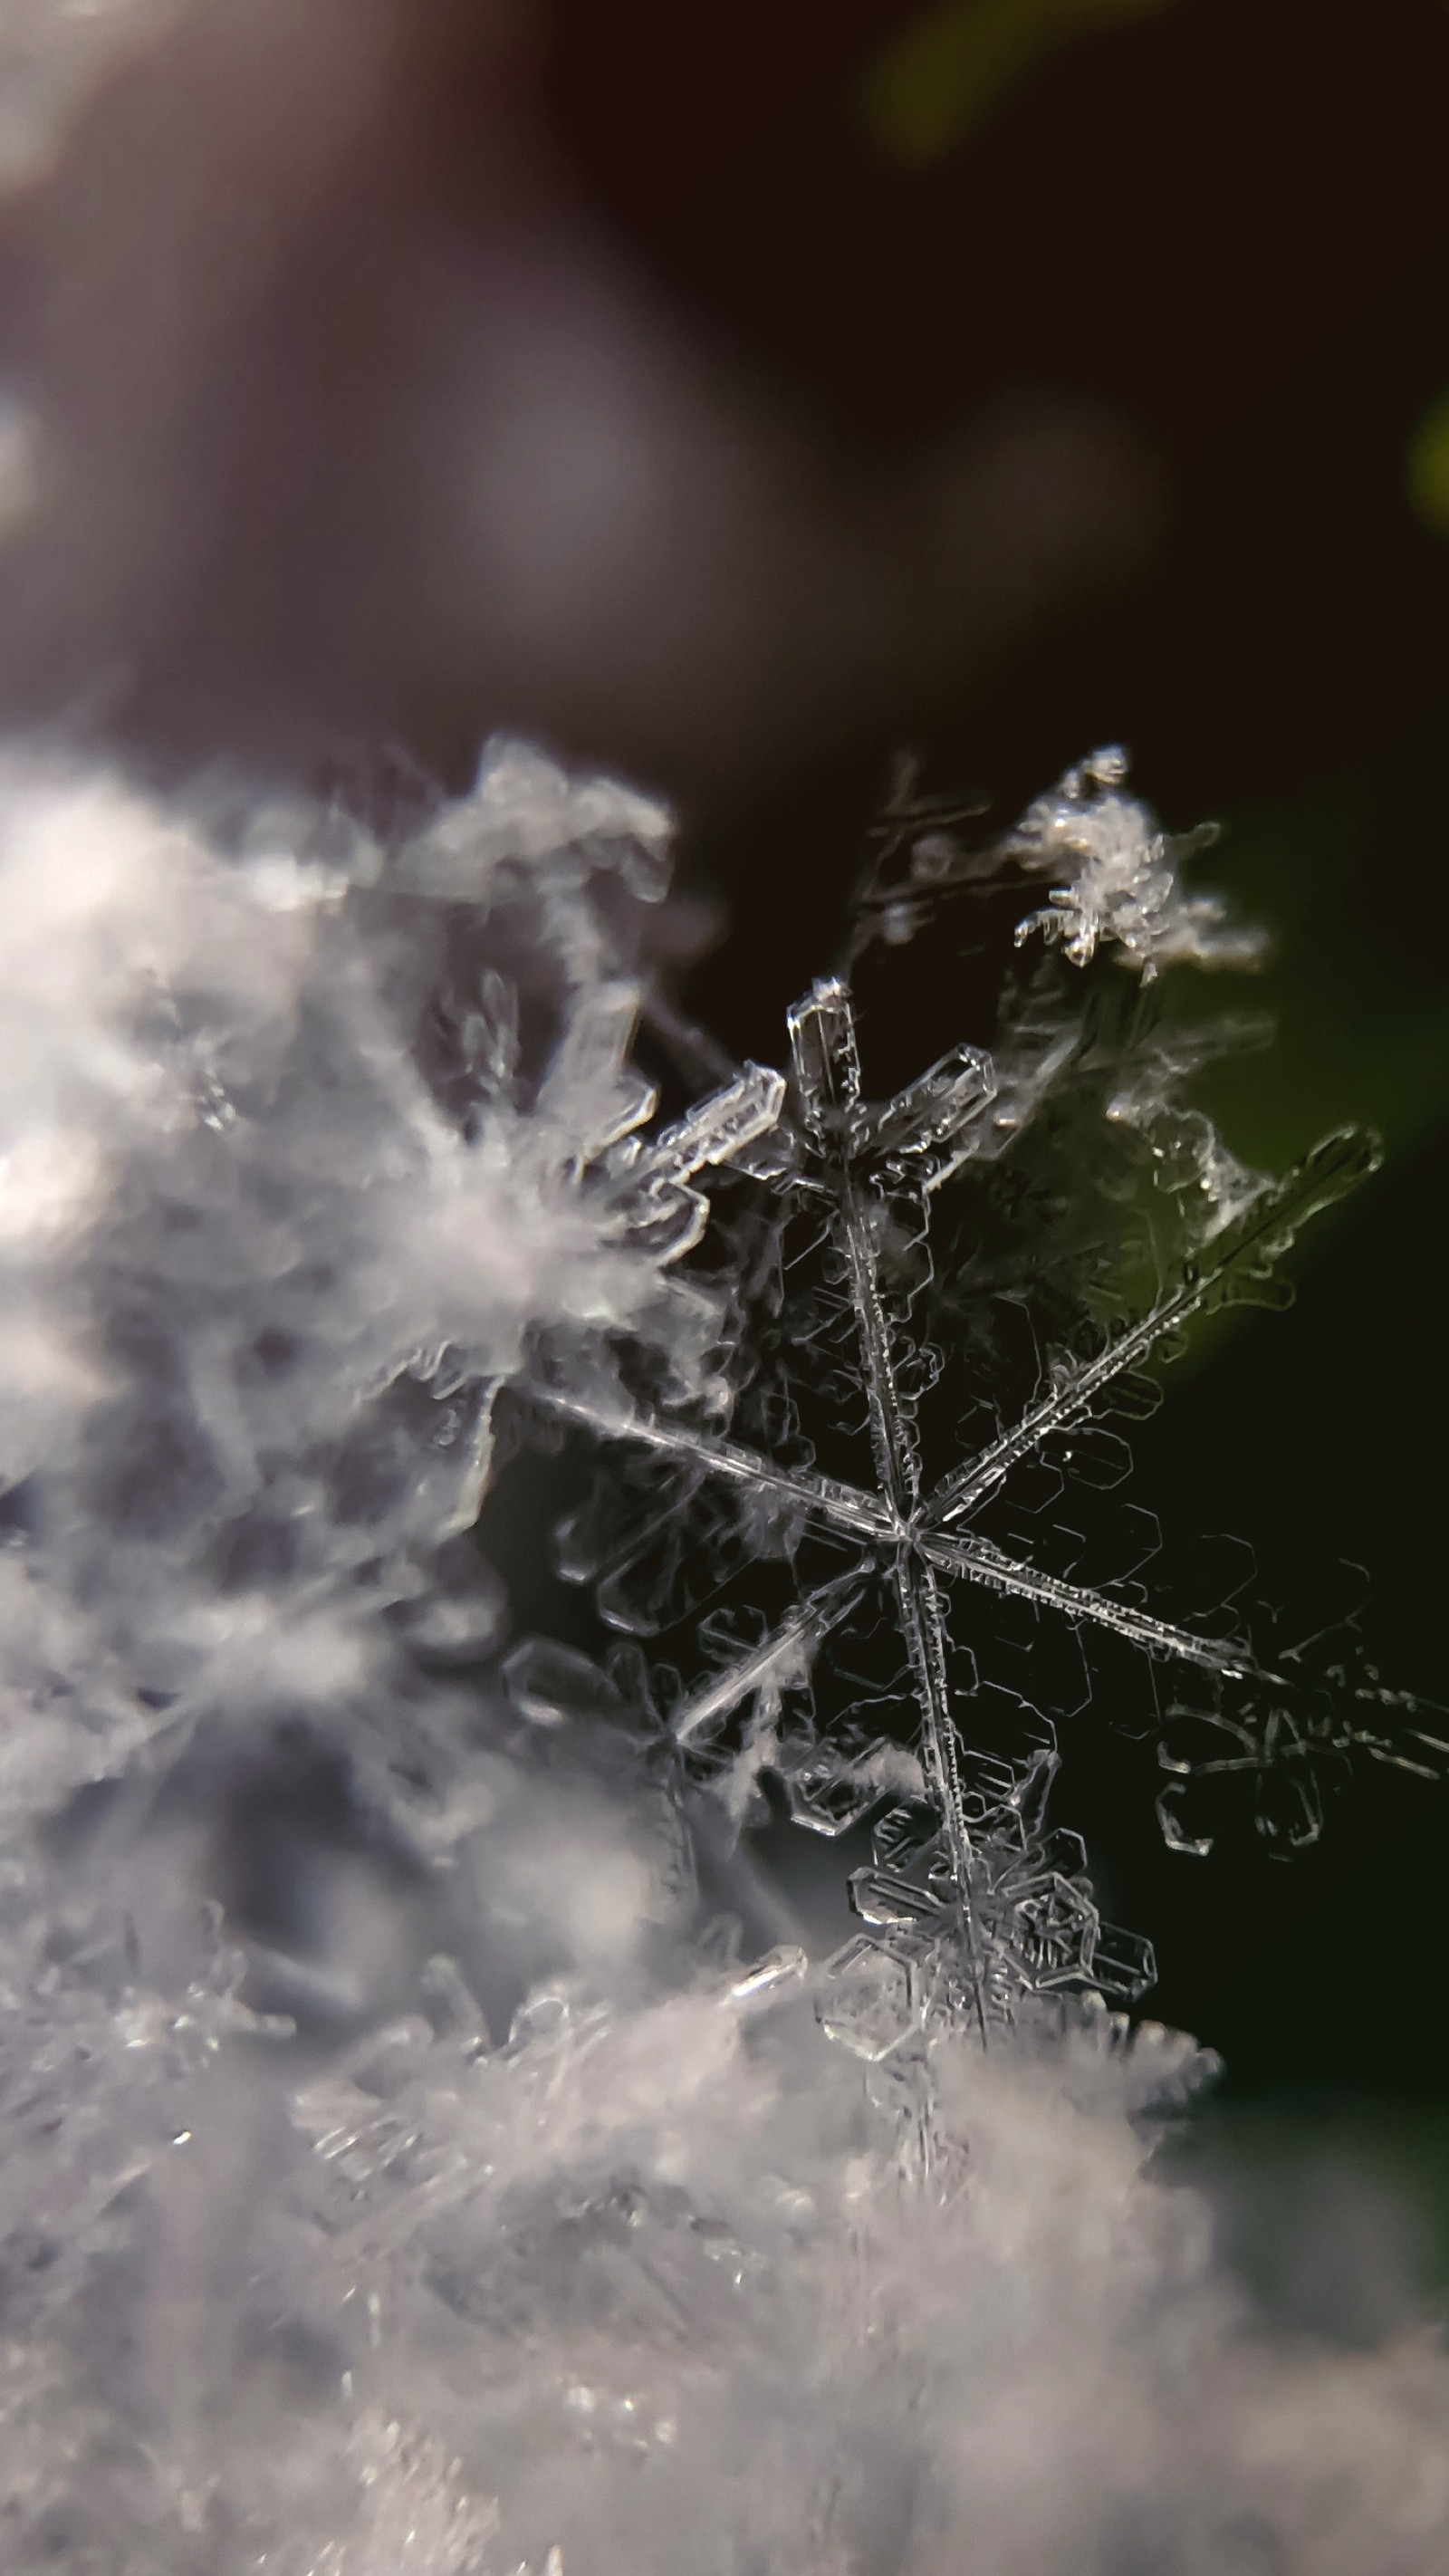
[460,2193]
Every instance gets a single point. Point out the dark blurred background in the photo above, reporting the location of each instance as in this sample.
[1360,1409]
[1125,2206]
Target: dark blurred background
[733,395]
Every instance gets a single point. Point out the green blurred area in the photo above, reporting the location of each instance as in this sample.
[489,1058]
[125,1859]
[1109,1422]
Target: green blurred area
[946,74]
[1354,983]
[1426,467]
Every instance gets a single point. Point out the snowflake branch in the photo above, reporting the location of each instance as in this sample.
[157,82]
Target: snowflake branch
[979,1562]
[780,1659]
[1241,1258]
[846,1508]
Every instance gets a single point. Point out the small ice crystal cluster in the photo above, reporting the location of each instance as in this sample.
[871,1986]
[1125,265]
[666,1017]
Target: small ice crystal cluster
[1117,878]
[428,2148]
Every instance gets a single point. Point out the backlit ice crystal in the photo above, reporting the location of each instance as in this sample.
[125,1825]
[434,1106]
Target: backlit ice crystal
[976,1903]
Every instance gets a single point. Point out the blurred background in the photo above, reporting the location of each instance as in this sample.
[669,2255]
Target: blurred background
[732,396]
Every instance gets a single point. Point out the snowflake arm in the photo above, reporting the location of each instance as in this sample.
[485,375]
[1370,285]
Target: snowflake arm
[1239,1264]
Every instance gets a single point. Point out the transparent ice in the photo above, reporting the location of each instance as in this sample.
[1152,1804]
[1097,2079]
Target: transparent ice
[972,1904]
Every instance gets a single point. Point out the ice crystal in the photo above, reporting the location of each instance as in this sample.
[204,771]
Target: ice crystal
[1120,881]
[973,1904]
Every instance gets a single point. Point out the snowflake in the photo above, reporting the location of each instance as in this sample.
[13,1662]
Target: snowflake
[971,1904]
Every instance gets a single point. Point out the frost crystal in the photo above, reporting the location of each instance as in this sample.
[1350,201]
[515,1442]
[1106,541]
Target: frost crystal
[973,1905]
[1120,884]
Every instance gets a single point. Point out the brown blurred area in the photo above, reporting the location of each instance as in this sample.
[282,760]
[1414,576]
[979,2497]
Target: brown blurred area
[647,379]
[413,365]
[407,367]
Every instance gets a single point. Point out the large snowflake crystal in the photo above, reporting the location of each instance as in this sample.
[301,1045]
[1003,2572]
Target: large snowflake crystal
[788,1528]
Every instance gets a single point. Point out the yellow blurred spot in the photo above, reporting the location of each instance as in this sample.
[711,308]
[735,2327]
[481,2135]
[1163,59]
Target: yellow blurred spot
[939,82]
[1426,467]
